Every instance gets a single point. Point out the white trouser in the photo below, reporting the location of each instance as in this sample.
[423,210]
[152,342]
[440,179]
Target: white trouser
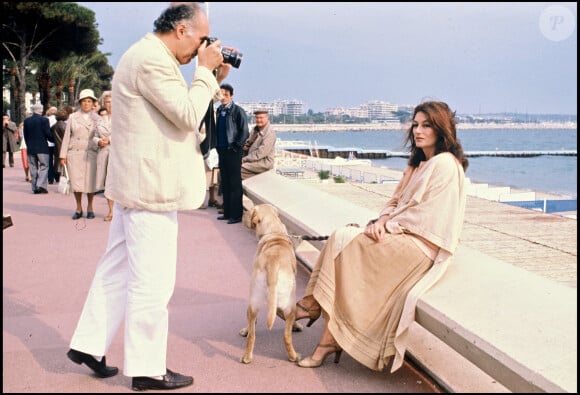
[134,281]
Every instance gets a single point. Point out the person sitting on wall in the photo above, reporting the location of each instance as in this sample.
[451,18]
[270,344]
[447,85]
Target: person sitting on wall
[260,147]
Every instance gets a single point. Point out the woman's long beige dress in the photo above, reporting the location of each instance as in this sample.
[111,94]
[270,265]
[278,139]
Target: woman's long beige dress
[364,288]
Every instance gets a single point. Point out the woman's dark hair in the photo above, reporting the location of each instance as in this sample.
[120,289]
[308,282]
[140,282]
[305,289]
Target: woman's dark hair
[62,114]
[443,122]
[170,18]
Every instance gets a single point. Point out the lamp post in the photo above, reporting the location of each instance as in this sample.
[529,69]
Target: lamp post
[33,90]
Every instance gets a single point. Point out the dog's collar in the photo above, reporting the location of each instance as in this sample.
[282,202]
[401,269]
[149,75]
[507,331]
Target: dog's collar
[278,234]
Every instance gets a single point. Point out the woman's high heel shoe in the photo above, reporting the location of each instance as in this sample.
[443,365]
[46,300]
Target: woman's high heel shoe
[313,313]
[310,362]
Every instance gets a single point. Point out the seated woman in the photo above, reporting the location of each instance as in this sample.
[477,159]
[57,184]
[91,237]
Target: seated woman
[367,281]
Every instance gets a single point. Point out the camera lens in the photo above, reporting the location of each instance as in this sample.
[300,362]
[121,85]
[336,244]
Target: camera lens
[232,57]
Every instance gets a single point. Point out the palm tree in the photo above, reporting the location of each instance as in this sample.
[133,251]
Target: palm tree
[61,72]
[87,71]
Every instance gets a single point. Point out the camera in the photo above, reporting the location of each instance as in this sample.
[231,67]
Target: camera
[232,57]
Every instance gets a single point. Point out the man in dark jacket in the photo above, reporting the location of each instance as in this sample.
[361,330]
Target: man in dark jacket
[232,132]
[36,134]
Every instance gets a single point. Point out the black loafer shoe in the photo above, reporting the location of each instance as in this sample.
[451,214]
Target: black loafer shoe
[100,368]
[170,381]
[90,215]
[222,217]
[234,220]
[41,190]
[77,215]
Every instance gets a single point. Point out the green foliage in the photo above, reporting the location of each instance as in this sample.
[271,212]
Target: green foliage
[47,30]
[339,179]
[324,174]
[43,33]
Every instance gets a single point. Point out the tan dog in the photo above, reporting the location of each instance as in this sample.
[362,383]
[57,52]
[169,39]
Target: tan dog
[273,278]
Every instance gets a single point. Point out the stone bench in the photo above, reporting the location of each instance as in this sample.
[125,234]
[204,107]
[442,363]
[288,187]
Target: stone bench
[486,326]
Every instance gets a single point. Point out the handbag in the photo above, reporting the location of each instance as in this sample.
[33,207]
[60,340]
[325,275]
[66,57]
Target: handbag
[212,160]
[64,182]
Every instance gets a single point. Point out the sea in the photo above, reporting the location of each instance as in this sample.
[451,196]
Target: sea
[551,174]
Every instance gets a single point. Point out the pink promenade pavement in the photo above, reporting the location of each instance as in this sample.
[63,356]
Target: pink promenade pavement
[48,264]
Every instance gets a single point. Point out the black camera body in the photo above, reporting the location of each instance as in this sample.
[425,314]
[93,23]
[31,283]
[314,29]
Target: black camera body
[232,57]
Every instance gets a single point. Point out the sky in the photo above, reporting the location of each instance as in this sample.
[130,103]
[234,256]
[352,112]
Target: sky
[480,58]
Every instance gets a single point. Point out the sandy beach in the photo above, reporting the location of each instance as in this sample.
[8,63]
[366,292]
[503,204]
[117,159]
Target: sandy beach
[495,228]
[296,160]
[372,195]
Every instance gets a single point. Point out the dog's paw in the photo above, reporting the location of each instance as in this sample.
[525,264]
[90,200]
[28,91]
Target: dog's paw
[246,359]
[295,358]
[297,327]
[243,332]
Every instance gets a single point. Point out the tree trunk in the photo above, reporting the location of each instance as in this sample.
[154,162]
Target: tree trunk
[59,94]
[43,79]
[71,92]
[14,96]
[21,83]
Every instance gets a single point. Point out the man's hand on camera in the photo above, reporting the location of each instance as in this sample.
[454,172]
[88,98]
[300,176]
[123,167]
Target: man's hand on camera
[210,56]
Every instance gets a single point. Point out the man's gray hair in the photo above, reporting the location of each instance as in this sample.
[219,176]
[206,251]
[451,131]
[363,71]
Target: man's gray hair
[37,108]
[175,13]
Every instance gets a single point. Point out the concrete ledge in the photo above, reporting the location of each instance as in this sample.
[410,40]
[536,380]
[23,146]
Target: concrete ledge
[515,326]
[304,210]
[518,327]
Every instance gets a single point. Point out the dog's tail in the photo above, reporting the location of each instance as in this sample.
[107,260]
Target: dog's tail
[272,298]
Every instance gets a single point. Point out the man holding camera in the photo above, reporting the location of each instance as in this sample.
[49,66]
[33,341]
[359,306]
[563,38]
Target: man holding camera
[155,169]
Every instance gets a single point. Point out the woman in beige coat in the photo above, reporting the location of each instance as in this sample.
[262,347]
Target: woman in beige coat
[103,140]
[367,281]
[79,152]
